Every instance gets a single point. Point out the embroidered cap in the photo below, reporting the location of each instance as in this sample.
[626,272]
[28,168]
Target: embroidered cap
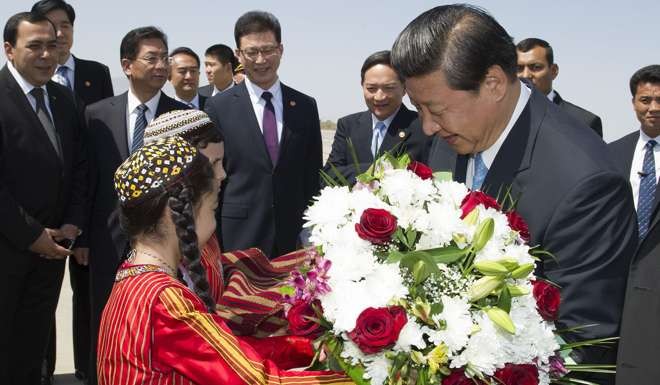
[177,122]
[153,168]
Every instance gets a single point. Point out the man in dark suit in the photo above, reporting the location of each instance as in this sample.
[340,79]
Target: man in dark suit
[272,146]
[387,125]
[637,154]
[116,128]
[90,82]
[219,65]
[500,133]
[43,194]
[184,76]
[536,63]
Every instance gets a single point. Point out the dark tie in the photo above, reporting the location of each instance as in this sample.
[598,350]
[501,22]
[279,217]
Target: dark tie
[62,71]
[646,190]
[45,119]
[140,125]
[270,128]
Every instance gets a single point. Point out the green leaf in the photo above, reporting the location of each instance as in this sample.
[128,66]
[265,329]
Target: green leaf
[501,318]
[443,176]
[420,272]
[287,290]
[327,179]
[356,373]
[483,234]
[523,271]
[436,308]
[447,255]
[354,157]
[394,256]
[411,237]
[338,175]
[504,302]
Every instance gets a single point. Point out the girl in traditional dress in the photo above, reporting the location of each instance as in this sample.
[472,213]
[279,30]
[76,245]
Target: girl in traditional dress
[154,329]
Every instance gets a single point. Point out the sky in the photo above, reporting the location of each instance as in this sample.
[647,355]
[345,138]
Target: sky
[598,45]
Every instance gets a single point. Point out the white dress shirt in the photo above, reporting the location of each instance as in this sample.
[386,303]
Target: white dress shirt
[194,101]
[132,113]
[259,104]
[490,153]
[27,87]
[638,163]
[551,95]
[71,65]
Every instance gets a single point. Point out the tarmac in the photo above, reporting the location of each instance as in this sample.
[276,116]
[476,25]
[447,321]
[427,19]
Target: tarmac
[64,367]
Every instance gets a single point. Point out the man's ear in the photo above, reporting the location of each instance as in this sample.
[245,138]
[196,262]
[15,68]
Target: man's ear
[495,82]
[126,66]
[554,70]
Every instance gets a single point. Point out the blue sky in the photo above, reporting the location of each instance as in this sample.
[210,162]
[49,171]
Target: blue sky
[598,44]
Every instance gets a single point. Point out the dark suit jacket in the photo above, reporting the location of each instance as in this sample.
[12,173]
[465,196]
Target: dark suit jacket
[91,81]
[106,123]
[580,114]
[37,189]
[205,91]
[404,135]
[202,101]
[577,206]
[639,346]
[262,206]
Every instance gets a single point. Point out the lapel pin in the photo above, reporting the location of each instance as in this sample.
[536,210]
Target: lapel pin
[87,83]
[292,103]
[402,134]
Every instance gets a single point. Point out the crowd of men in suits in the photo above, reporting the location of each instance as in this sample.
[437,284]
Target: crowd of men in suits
[487,112]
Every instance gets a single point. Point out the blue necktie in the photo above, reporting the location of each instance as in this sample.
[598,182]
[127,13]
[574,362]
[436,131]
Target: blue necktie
[377,138]
[62,72]
[646,190]
[480,171]
[140,125]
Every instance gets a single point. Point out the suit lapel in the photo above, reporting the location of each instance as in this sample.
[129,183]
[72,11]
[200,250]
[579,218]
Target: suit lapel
[118,107]
[245,111]
[460,171]
[397,133]
[362,137]
[59,120]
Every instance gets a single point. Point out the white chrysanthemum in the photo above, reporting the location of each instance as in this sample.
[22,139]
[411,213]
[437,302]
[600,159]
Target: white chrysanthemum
[520,253]
[452,192]
[351,352]
[411,335]
[456,314]
[404,188]
[502,231]
[331,208]
[377,369]
[444,220]
[351,256]
[361,200]
[411,217]
[483,351]
[544,374]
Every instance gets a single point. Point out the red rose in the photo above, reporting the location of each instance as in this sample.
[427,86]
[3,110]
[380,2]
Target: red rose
[518,224]
[548,299]
[511,374]
[475,198]
[378,329]
[421,170]
[457,377]
[376,226]
[300,323]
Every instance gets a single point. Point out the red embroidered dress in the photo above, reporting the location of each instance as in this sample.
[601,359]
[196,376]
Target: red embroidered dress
[154,330]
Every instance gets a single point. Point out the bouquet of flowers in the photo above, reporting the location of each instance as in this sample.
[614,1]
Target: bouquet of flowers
[414,279]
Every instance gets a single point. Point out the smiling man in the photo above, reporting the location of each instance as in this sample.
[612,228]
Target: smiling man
[497,133]
[387,125]
[184,77]
[116,126]
[637,154]
[272,145]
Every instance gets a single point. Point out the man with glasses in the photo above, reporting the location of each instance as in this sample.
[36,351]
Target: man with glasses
[116,127]
[273,145]
[184,76]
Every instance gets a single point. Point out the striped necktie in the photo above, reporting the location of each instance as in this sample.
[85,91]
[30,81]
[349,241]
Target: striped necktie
[140,125]
[480,171]
[62,71]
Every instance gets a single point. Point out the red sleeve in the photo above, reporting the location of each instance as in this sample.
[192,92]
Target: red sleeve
[199,346]
[286,351]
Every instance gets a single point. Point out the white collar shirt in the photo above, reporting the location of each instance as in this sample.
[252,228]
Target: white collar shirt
[132,113]
[26,87]
[259,104]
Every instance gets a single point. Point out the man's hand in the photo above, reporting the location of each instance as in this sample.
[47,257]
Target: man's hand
[46,247]
[82,255]
[69,231]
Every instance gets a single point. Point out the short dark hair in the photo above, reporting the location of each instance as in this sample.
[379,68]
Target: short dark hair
[257,22]
[45,6]
[223,54]
[380,57]
[185,51]
[461,40]
[533,42]
[131,42]
[11,27]
[648,74]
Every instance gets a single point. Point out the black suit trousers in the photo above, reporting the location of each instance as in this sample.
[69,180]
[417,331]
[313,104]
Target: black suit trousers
[29,291]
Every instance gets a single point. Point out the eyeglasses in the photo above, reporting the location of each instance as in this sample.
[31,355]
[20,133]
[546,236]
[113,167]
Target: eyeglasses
[252,53]
[153,59]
